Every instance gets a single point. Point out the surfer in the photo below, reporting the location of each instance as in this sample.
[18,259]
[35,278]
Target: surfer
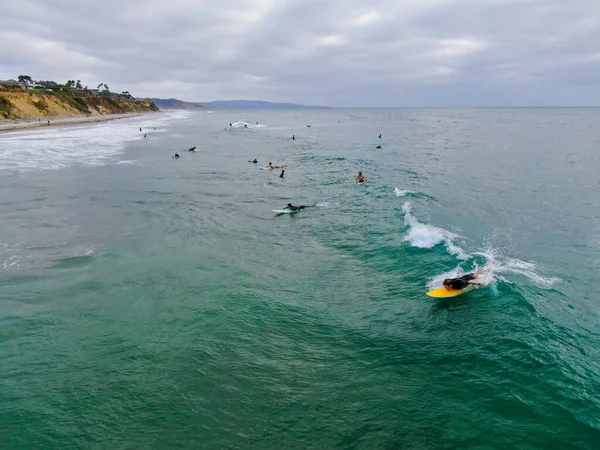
[296,208]
[255,161]
[379,146]
[176,155]
[282,172]
[140,129]
[379,136]
[361,178]
[193,149]
[462,282]
[271,166]
[293,137]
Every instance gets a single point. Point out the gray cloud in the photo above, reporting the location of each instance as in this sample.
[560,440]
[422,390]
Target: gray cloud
[345,53]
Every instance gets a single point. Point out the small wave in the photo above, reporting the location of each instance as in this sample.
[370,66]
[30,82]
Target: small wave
[428,236]
[401,192]
[91,144]
[492,270]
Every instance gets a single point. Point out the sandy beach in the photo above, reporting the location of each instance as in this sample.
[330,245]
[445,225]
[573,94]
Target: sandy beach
[23,124]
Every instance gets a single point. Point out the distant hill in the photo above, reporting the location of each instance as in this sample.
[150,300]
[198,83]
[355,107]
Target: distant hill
[254,104]
[173,103]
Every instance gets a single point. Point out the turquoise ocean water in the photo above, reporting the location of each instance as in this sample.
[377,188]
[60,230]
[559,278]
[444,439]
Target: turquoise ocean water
[148,302]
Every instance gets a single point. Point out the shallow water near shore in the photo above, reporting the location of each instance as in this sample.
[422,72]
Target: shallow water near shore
[148,301]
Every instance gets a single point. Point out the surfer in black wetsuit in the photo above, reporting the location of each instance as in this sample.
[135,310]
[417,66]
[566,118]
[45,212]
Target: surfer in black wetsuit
[282,172]
[255,161]
[297,208]
[462,282]
[176,155]
[193,149]
[379,146]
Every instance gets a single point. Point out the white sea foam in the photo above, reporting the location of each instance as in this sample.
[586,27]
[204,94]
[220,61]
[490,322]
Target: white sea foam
[428,236]
[401,192]
[88,144]
[10,256]
[242,124]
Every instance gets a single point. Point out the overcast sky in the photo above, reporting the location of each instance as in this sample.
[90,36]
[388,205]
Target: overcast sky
[327,52]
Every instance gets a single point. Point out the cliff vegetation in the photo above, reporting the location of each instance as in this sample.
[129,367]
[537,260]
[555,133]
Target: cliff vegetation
[26,98]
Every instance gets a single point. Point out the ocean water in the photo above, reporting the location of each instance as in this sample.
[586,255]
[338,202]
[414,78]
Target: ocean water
[152,302]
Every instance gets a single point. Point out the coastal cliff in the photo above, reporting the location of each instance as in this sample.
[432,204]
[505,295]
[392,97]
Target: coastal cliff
[17,102]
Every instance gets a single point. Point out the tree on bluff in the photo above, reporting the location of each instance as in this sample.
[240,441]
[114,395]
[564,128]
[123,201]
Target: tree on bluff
[24,78]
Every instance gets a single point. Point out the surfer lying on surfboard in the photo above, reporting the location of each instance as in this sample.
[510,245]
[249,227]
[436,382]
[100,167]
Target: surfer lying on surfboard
[297,208]
[462,282]
[271,166]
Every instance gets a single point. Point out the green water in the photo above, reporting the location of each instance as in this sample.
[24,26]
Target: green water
[148,302]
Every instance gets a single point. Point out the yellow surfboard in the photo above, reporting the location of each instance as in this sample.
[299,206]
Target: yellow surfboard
[445,293]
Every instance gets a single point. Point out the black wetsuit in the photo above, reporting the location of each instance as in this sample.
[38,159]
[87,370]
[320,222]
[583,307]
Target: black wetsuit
[462,282]
[298,208]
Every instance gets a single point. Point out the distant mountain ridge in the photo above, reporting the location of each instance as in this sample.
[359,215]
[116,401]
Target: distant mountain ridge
[173,103]
[255,104]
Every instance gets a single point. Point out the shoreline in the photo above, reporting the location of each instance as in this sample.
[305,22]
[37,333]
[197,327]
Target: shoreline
[7,125]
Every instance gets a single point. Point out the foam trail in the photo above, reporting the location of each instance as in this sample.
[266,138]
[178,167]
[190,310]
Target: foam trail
[497,264]
[401,192]
[427,236]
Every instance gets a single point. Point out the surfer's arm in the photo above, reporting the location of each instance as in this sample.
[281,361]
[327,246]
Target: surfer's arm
[478,283]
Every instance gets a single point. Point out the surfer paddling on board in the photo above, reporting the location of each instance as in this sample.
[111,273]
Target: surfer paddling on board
[361,178]
[271,166]
[297,208]
[462,282]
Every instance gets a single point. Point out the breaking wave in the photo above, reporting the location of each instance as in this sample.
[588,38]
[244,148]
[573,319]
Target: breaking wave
[428,236]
